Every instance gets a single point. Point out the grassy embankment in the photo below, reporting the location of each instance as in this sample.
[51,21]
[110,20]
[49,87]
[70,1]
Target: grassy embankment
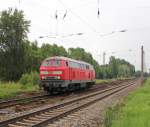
[11,90]
[133,112]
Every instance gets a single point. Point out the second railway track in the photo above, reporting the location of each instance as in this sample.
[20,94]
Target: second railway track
[6,104]
[50,114]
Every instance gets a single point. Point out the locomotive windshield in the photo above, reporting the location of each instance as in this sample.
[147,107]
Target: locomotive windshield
[51,63]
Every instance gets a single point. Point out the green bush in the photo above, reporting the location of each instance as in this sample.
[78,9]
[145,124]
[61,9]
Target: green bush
[29,78]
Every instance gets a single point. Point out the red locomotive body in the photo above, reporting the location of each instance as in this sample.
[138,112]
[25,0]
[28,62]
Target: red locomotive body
[62,73]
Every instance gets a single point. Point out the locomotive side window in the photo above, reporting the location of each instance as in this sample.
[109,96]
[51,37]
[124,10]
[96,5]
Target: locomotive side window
[83,66]
[78,65]
[87,67]
[52,63]
[74,64]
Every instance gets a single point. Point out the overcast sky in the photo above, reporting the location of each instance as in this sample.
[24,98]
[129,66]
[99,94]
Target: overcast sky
[81,17]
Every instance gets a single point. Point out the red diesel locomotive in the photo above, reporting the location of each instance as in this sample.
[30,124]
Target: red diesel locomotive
[63,74]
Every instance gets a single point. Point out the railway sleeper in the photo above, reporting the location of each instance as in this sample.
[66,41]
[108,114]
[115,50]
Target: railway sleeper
[24,123]
[33,118]
[52,113]
[45,115]
[12,125]
[30,121]
[41,117]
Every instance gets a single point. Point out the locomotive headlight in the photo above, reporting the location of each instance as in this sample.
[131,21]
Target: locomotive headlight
[43,77]
[44,72]
[58,77]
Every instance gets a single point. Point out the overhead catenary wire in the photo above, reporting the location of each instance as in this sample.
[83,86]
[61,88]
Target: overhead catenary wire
[65,15]
[89,26]
[84,21]
[98,11]
[81,19]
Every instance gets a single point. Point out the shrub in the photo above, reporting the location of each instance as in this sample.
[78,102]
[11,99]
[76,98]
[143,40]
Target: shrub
[29,78]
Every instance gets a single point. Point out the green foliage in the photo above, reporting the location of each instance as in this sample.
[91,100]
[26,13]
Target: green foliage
[29,78]
[13,32]
[80,54]
[135,111]
[111,114]
[101,81]
[116,68]
[12,89]
[33,56]
[48,50]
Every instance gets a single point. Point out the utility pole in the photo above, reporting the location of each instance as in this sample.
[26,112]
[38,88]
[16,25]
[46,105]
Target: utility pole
[104,73]
[104,55]
[142,61]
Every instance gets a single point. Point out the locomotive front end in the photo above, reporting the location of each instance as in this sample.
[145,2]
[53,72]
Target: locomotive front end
[52,75]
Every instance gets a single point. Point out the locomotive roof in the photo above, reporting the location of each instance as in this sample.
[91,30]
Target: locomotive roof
[67,59]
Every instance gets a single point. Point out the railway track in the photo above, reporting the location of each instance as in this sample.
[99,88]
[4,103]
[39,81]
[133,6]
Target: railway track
[9,103]
[49,114]
[22,101]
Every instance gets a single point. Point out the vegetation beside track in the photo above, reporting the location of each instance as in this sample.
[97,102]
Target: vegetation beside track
[133,112]
[11,89]
[101,81]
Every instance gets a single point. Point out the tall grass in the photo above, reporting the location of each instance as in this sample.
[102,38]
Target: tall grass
[100,81]
[11,89]
[134,113]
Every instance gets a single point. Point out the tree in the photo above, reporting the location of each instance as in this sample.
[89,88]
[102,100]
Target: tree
[113,66]
[33,56]
[116,68]
[13,33]
[48,50]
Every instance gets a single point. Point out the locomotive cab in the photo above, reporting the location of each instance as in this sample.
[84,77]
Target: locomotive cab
[51,69]
[52,74]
